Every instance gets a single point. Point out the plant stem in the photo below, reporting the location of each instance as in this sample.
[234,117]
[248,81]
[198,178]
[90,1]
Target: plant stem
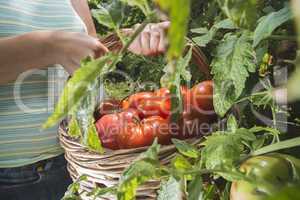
[132,38]
[136,33]
[278,146]
[283,37]
[249,97]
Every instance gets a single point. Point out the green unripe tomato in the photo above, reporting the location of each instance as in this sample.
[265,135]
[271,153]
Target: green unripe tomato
[271,173]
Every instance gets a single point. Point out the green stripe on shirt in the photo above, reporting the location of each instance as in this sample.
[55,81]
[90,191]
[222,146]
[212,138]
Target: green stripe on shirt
[22,141]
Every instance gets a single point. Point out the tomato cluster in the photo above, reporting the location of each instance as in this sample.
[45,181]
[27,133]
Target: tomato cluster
[138,120]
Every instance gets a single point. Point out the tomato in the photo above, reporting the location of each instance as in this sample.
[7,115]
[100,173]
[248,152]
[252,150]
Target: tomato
[155,107]
[157,126]
[132,136]
[125,104]
[135,99]
[202,97]
[162,92]
[110,126]
[271,172]
[107,107]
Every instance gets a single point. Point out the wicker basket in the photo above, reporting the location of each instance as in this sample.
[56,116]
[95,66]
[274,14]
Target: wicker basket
[105,170]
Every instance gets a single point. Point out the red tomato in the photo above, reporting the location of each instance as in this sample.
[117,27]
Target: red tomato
[156,126]
[162,92]
[125,104]
[135,99]
[107,107]
[132,136]
[155,107]
[110,126]
[202,97]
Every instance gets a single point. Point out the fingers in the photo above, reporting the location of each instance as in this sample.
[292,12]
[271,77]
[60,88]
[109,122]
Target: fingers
[145,43]
[154,42]
[164,25]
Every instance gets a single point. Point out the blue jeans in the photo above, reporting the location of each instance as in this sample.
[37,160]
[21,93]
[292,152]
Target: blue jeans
[45,180]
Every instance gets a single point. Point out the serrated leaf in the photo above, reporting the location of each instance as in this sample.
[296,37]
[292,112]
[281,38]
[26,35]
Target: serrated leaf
[179,12]
[92,140]
[170,190]
[185,148]
[209,36]
[110,16]
[103,17]
[232,124]
[74,129]
[138,173]
[201,30]
[152,151]
[245,134]
[77,88]
[242,13]
[233,61]
[270,22]
[145,168]
[141,4]
[181,163]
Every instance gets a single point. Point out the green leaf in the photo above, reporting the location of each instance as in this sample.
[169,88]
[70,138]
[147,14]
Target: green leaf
[233,61]
[145,168]
[232,124]
[141,4]
[221,149]
[274,132]
[110,16]
[171,190]
[195,189]
[278,146]
[182,65]
[245,134]
[181,163]
[92,140]
[179,12]
[137,174]
[242,13]
[74,129]
[185,148]
[152,151]
[267,24]
[77,88]
[98,192]
[103,17]
[209,35]
[201,30]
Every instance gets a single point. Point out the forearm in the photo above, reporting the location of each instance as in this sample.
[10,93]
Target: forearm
[82,8]
[21,53]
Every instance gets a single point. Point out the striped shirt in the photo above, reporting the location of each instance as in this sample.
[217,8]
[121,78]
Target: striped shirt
[26,102]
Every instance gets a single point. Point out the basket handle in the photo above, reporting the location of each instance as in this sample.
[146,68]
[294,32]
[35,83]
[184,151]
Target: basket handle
[113,43]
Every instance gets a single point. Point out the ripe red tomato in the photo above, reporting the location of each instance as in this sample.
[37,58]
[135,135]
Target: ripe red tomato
[107,107]
[202,97]
[155,107]
[110,126]
[157,126]
[132,136]
[135,99]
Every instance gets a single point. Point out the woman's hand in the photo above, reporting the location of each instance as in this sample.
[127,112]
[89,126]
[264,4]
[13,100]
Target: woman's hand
[68,49]
[152,40]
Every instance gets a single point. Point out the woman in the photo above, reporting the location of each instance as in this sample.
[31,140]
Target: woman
[34,36]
